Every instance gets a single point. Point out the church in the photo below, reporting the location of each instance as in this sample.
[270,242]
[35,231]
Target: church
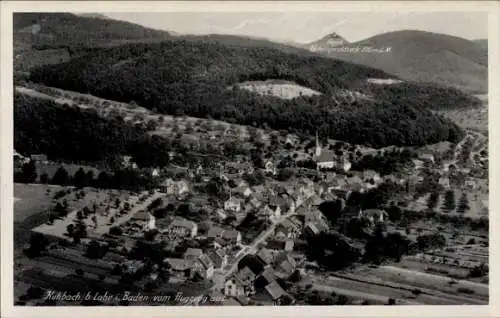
[326,159]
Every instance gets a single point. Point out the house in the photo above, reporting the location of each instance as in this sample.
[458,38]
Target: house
[427,159]
[276,206]
[155,172]
[223,236]
[171,186]
[151,222]
[418,164]
[285,265]
[242,190]
[265,256]
[183,227]
[133,266]
[355,184]
[214,232]
[221,214]
[265,278]
[234,288]
[270,168]
[471,184]
[231,236]
[218,257]
[233,205]
[281,245]
[445,182]
[255,202]
[351,211]
[286,229]
[371,176]
[375,215]
[311,229]
[182,187]
[178,266]
[246,277]
[39,158]
[275,292]
[204,266]
[193,253]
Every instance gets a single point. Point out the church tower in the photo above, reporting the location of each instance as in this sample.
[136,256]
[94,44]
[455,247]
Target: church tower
[318,146]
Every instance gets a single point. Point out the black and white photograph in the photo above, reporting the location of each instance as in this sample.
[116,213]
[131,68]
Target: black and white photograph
[250,158]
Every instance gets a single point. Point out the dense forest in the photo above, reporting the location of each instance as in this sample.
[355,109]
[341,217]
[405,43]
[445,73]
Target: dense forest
[78,135]
[197,79]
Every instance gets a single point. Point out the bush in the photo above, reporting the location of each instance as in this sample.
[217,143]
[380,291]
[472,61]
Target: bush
[115,230]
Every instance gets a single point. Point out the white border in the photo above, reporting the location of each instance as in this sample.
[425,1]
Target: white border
[6,189]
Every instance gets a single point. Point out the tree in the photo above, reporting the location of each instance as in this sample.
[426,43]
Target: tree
[463,204]
[433,200]
[394,213]
[95,250]
[70,229]
[79,272]
[61,210]
[61,176]
[115,230]
[37,244]
[79,215]
[79,178]
[449,201]
[44,178]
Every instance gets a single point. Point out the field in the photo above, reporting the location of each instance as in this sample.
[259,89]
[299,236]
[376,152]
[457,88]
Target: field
[32,198]
[103,216]
[406,282]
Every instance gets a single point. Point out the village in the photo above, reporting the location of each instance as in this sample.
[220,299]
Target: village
[239,229]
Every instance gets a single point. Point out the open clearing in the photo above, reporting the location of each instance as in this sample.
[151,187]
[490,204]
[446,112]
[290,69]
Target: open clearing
[278,88]
[32,198]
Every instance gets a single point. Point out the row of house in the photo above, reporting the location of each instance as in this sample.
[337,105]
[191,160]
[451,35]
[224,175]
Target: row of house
[247,282]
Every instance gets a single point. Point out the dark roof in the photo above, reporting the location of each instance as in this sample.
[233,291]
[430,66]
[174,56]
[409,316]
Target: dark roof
[230,234]
[277,201]
[193,252]
[206,261]
[274,290]
[215,232]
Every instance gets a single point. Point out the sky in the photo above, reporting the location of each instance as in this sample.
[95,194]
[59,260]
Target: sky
[303,27]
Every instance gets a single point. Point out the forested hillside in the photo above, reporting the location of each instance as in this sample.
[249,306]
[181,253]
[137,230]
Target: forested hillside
[77,135]
[198,78]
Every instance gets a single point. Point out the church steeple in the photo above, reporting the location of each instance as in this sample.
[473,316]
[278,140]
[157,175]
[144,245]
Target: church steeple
[318,146]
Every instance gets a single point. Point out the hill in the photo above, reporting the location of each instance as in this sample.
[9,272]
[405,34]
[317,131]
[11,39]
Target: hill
[52,38]
[326,43]
[482,43]
[200,79]
[56,30]
[422,56]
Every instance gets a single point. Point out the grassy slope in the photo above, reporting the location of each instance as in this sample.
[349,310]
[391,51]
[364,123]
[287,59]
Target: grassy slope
[425,56]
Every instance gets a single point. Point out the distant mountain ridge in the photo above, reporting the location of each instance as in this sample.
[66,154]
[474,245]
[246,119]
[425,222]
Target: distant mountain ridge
[422,56]
[329,41]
